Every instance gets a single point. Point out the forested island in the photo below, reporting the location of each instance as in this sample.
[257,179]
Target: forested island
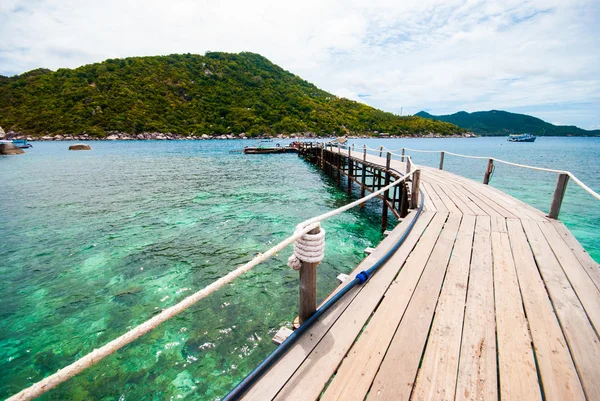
[502,123]
[211,95]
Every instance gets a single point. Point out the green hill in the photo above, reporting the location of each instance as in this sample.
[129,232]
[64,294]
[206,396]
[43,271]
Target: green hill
[214,94]
[497,122]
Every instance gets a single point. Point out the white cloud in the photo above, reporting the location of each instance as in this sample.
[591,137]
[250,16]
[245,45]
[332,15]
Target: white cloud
[535,56]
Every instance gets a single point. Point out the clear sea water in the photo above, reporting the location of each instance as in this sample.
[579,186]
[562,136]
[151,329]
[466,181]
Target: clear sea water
[94,243]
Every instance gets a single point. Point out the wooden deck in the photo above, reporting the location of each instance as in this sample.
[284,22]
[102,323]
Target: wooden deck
[487,299]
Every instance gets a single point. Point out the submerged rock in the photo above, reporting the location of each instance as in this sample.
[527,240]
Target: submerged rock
[80,146]
[9,149]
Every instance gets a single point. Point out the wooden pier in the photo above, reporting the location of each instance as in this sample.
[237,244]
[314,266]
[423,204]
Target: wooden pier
[486,299]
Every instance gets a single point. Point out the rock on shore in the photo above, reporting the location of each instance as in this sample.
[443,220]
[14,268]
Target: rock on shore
[80,146]
[9,149]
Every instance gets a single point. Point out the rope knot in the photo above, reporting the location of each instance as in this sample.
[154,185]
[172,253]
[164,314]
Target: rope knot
[310,248]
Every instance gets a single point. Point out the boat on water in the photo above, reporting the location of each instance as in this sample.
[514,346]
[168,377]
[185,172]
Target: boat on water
[292,148]
[521,138]
[21,143]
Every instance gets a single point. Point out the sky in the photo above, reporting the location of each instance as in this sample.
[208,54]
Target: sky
[538,57]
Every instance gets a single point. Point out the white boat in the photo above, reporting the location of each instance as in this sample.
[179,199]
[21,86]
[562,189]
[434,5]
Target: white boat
[521,138]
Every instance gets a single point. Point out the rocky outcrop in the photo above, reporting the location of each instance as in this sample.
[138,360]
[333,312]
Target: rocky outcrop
[80,146]
[9,149]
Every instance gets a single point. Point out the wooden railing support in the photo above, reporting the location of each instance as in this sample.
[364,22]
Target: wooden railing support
[308,288]
[350,171]
[408,165]
[386,194]
[416,182]
[559,193]
[380,151]
[402,158]
[364,175]
[442,153]
[488,171]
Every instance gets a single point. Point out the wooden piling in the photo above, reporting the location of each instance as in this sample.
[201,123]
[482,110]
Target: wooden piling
[386,194]
[402,158]
[488,171]
[380,151]
[416,181]
[364,175]
[408,165]
[442,153]
[350,171]
[308,288]
[559,193]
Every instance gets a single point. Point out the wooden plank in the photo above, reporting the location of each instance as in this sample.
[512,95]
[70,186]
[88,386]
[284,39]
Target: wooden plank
[516,363]
[454,190]
[501,202]
[276,377]
[498,224]
[437,202]
[449,203]
[584,287]
[589,264]
[327,356]
[437,376]
[398,370]
[559,377]
[581,337]
[477,375]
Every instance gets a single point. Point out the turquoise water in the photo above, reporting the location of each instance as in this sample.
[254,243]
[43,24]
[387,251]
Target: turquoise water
[94,243]
[580,211]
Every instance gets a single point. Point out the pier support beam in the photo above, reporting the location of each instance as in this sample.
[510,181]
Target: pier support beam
[488,171]
[416,181]
[559,193]
[442,153]
[308,288]
[386,194]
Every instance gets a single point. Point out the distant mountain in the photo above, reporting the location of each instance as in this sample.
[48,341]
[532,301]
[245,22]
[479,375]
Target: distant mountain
[214,94]
[497,122]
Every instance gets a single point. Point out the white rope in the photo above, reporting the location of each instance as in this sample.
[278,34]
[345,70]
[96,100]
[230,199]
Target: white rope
[97,355]
[549,170]
[309,250]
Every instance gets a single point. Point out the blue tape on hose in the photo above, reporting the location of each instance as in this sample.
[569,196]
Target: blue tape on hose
[363,276]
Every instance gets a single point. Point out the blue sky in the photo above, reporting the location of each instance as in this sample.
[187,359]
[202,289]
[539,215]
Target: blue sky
[534,57]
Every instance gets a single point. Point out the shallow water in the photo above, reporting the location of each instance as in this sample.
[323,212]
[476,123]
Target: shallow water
[96,242]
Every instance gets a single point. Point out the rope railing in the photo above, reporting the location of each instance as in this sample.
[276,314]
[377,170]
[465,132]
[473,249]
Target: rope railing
[302,230]
[561,184]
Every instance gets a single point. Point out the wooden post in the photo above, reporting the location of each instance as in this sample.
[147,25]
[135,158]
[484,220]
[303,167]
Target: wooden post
[442,153]
[339,168]
[308,288]
[402,158]
[380,151]
[408,165]
[350,171]
[488,171]
[386,194]
[353,147]
[559,193]
[414,200]
[364,175]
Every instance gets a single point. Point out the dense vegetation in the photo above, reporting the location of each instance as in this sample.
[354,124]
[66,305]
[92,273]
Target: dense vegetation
[496,122]
[214,94]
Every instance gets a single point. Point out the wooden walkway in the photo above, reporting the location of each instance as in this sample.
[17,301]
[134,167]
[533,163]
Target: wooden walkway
[487,299]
